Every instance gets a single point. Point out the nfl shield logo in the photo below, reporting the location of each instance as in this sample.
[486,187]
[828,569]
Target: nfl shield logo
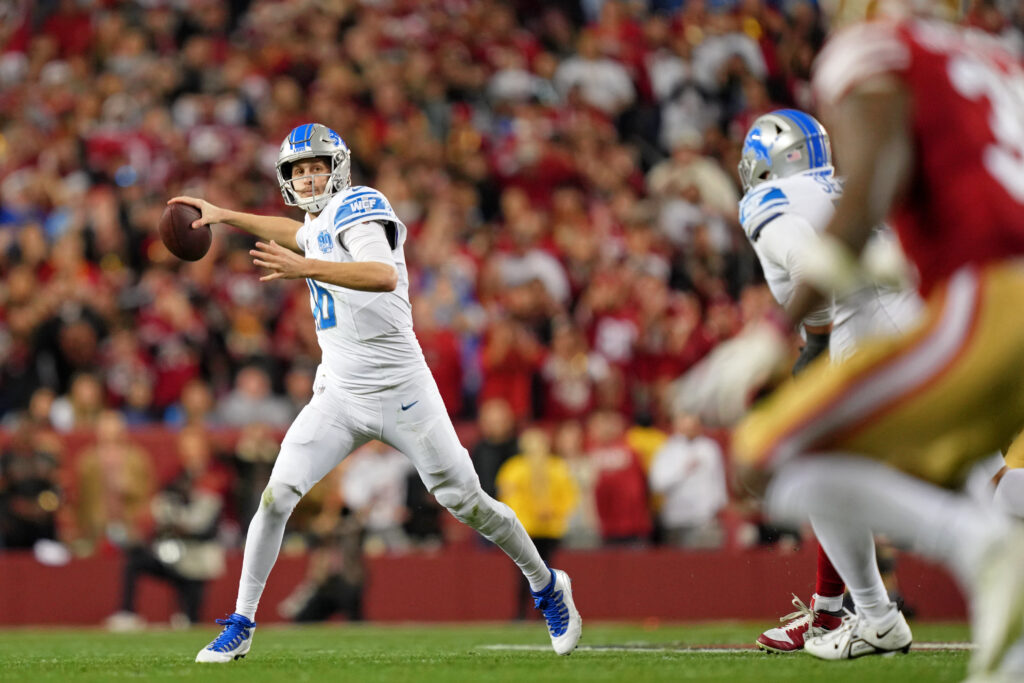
[324,241]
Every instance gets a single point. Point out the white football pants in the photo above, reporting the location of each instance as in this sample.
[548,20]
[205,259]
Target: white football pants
[410,417]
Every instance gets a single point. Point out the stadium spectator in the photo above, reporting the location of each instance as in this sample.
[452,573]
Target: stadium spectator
[700,179]
[81,406]
[583,528]
[114,484]
[443,352]
[22,309]
[128,376]
[600,81]
[336,573]
[40,410]
[182,548]
[194,407]
[298,387]
[373,486]
[688,474]
[172,330]
[423,515]
[252,400]
[570,374]
[30,488]
[620,489]
[498,441]
[253,458]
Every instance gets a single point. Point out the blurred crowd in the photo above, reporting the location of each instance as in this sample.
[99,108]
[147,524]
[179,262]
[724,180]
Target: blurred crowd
[567,172]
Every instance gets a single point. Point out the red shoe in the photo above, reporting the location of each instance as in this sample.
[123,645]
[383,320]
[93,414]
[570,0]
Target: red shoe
[805,622]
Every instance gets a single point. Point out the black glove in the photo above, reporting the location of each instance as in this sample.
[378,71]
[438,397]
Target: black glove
[817,343]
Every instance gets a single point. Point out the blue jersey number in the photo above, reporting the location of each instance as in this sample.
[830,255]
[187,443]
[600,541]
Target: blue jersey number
[828,182]
[323,306]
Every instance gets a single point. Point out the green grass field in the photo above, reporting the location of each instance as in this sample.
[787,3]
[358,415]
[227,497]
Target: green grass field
[487,652]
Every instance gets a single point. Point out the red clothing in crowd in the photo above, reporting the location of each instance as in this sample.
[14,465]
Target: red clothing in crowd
[444,358]
[621,493]
[508,368]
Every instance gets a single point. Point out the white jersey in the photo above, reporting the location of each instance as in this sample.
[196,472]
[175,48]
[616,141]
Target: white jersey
[366,338]
[780,218]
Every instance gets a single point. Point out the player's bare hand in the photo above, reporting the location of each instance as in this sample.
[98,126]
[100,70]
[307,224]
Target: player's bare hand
[211,213]
[281,262]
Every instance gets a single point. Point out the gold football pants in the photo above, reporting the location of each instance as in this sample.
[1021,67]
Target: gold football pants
[929,402]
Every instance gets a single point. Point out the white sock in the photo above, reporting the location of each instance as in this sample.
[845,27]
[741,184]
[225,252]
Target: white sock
[827,603]
[496,522]
[1009,494]
[939,524]
[851,548]
[262,545]
[518,545]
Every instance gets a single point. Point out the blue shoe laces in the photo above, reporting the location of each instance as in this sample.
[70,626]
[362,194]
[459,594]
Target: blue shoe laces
[236,629]
[553,607]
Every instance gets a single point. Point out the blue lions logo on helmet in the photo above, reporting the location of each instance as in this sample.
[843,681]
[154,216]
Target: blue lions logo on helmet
[756,146]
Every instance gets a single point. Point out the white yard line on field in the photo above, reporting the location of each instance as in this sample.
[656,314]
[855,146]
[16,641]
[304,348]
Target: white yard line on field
[687,649]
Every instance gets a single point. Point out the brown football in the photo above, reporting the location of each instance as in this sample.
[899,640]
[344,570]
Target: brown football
[179,237]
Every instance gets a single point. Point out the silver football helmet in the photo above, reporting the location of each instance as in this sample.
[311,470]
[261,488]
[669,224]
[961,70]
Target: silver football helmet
[781,144]
[308,141]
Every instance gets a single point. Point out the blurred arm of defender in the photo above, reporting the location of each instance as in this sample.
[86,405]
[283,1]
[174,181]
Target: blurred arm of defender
[268,228]
[871,138]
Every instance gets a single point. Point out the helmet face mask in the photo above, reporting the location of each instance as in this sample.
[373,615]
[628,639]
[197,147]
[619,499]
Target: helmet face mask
[781,144]
[307,178]
[312,141]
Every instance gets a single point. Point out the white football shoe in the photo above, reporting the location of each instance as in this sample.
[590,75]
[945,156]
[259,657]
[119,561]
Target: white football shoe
[803,624]
[564,622]
[858,637]
[232,643]
[997,605]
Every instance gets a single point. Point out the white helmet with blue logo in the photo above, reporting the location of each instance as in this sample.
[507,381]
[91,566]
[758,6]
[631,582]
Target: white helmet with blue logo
[781,144]
[308,141]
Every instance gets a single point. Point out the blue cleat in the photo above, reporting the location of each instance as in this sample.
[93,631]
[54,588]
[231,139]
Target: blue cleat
[564,622]
[232,643]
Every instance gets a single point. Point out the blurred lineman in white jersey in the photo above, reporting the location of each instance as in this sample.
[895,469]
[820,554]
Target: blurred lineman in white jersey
[790,194]
[372,383]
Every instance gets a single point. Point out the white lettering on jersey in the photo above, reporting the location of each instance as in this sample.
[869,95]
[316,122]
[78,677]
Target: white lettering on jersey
[359,205]
[364,204]
[974,77]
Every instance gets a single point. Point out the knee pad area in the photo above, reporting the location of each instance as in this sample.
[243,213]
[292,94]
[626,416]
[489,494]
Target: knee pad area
[472,507]
[279,498]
